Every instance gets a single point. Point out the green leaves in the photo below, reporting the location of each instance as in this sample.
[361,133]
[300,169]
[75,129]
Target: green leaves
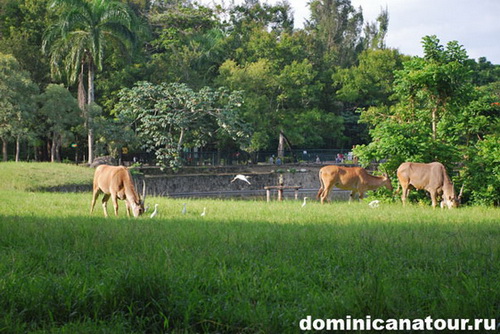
[17,93]
[439,116]
[59,109]
[83,32]
[169,117]
[371,82]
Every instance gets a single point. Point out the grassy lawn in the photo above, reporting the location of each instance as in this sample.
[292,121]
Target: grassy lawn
[27,176]
[246,267]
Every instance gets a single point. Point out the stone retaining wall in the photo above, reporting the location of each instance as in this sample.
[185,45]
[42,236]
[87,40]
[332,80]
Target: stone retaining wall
[220,185]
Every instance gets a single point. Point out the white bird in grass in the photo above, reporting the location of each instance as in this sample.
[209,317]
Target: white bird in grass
[242,178]
[204,212]
[374,204]
[183,208]
[304,203]
[155,212]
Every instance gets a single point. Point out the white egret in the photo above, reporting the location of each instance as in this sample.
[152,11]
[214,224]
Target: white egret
[204,212]
[155,212]
[242,178]
[183,208]
[304,203]
[374,204]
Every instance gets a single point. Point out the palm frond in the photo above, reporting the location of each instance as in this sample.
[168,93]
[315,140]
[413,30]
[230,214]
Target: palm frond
[83,33]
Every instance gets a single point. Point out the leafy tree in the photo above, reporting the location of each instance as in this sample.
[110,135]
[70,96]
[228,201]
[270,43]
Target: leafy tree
[478,129]
[59,112]
[482,172]
[304,121]
[260,87]
[438,82]
[113,134]
[187,44]
[336,25]
[374,35]
[169,117]
[22,23]
[251,15]
[287,99]
[263,31]
[430,92]
[370,82]
[484,72]
[79,39]
[439,116]
[17,105]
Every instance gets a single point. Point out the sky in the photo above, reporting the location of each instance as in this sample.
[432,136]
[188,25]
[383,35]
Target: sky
[474,24]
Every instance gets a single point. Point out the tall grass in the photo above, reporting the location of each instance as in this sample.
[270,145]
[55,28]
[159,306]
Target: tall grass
[246,267]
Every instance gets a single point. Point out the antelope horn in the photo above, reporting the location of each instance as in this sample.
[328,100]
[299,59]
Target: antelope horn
[143,191]
[460,193]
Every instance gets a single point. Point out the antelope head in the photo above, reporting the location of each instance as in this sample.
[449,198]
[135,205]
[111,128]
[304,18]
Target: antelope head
[138,206]
[450,200]
[387,182]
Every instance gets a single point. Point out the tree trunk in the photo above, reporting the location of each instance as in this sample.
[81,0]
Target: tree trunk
[48,151]
[53,149]
[58,147]
[434,120]
[18,148]
[4,150]
[82,98]
[281,146]
[82,94]
[181,139]
[90,100]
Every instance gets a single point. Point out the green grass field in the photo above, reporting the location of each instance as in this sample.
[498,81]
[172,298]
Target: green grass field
[246,267]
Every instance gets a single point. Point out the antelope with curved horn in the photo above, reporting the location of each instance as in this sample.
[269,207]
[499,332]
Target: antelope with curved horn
[356,179]
[431,177]
[116,182]
[458,200]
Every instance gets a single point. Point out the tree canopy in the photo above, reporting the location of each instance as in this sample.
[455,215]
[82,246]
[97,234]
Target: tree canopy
[438,115]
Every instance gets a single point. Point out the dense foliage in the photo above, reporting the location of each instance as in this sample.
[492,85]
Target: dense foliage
[439,115]
[331,84]
[166,117]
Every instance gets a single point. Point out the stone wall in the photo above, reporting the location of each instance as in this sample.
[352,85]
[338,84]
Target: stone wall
[220,185]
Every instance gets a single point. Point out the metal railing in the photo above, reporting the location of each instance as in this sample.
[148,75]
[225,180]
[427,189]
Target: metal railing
[230,158]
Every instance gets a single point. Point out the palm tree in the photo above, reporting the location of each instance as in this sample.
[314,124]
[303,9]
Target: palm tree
[77,41]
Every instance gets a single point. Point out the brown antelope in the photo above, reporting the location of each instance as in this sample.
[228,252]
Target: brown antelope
[356,179]
[116,182]
[431,177]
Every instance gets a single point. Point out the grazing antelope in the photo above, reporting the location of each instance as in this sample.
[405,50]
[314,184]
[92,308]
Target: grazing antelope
[355,179]
[116,182]
[431,177]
